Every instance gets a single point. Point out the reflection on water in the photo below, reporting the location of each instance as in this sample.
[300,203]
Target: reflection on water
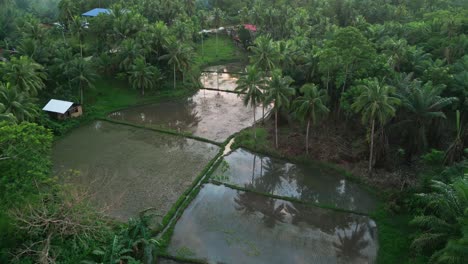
[223,225]
[128,169]
[222,77]
[208,114]
[312,184]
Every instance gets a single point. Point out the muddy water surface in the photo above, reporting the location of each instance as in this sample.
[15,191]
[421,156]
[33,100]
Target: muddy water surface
[208,114]
[222,77]
[308,183]
[126,169]
[223,225]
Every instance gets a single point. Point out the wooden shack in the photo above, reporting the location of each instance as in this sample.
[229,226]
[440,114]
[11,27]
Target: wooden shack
[61,110]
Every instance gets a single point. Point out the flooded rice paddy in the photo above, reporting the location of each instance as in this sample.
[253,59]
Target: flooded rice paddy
[209,114]
[307,183]
[127,170]
[223,225]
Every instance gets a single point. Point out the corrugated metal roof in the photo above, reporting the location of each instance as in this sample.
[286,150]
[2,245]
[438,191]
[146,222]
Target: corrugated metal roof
[96,11]
[57,106]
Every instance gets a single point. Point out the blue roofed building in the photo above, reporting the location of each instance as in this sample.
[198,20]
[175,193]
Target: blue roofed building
[95,12]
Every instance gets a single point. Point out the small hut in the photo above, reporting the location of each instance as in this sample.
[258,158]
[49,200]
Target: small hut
[63,109]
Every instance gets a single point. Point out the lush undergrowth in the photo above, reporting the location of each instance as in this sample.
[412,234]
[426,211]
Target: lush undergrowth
[394,234]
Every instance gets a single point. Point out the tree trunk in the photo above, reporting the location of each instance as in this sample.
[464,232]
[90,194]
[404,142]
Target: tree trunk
[371,147]
[81,92]
[81,49]
[276,128]
[307,136]
[143,90]
[174,78]
[254,124]
[216,42]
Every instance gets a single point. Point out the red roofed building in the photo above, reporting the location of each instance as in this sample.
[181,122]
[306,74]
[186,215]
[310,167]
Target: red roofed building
[250,27]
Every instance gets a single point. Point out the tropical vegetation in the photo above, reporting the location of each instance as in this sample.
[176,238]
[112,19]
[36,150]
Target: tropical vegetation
[376,87]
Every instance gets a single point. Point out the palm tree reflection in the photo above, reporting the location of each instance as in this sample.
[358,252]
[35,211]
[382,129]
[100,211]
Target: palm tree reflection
[272,211]
[351,242]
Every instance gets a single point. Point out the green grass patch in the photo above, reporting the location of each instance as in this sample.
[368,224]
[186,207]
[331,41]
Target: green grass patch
[394,234]
[225,52]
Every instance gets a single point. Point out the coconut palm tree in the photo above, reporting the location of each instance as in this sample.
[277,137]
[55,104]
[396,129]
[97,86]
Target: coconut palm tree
[265,54]
[78,30]
[14,103]
[375,103]
[180,56]
[278,93]
[143,76]
[310,106]
[218,17]
[251,85]
[25,75]
[159,36]
[128,52]
[445,216]
[82,74]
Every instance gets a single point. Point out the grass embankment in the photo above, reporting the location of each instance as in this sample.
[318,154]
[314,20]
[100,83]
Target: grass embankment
[394,231]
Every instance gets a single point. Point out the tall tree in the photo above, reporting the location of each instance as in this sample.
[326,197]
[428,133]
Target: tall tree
[77,28]
[265,54]
[251,85]
[279,93]
[180,56]
[143,76]
[218,18]
[82,74]
[310,106]
[375,103]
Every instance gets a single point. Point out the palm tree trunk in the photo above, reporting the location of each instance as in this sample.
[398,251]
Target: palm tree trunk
[254,124]
[307,136]
[216,42]
[81,94]
[371,147]
[276,128]
[174,78]
[81,49]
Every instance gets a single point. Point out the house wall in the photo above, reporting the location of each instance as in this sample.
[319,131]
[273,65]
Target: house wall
[76,111]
